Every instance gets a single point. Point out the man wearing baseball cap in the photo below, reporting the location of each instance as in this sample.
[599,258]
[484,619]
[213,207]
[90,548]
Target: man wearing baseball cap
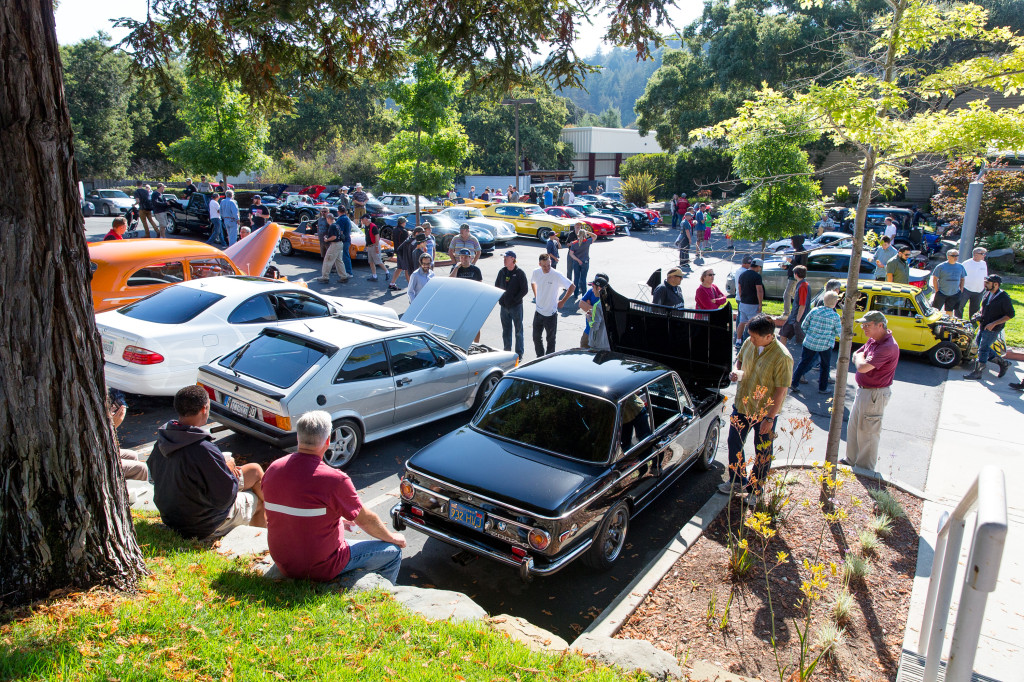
[876,364]
[996,310]
[750,296]
[512,280]
[669,292]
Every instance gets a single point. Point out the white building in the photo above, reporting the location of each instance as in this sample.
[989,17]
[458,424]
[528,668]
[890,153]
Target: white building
[600,151]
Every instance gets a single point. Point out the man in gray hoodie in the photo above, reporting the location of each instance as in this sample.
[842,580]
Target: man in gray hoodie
[200,492]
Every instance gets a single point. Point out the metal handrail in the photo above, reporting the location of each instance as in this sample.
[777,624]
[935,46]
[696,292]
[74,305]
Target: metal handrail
[988,496]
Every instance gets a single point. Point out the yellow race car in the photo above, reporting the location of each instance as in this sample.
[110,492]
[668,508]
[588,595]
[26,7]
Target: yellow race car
[530,220]
[916,326]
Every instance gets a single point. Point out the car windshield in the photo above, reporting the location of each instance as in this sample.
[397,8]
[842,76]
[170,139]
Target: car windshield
[923,304]
[173,305]
[572,212]
[554,419]
[532,210]
[113,194]
[442,221]
[472,213]
[585,209]
[277,359]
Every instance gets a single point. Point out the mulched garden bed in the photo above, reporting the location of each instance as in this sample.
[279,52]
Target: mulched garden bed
[675,616]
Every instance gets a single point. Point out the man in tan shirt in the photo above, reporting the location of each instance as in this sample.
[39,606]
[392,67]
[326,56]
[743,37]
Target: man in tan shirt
[764,369]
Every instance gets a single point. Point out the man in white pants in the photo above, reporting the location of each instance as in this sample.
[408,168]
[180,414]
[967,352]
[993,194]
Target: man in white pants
[876,365]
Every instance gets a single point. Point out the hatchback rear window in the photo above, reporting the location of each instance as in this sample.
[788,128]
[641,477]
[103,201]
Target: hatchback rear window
[173,305]
[277,359]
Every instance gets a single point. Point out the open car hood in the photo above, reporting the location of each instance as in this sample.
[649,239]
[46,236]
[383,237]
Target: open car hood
[453,309]
[252,254]
[697,345]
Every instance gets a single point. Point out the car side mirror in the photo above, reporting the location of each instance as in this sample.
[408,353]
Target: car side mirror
[919,317]
[442,361]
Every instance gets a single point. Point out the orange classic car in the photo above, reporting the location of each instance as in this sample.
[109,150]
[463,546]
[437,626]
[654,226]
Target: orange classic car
[303,238]
[127,270]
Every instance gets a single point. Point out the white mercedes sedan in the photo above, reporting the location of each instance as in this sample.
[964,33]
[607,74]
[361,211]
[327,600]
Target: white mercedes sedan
[155,346]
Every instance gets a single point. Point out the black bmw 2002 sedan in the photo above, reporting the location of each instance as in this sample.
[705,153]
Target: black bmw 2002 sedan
[569,448]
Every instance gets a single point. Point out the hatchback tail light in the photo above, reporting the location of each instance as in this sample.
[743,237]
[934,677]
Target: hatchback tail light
[539,538]
[141,356]
[209,391]
[276,420]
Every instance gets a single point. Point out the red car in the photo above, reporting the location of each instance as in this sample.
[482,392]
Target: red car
[313,191]
[599,226]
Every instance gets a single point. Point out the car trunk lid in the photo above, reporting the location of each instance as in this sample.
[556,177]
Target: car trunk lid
[453,309]
[252,254]
[697,345]
[504,472]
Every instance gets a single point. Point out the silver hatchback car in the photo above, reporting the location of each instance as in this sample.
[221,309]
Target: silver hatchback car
[375,377]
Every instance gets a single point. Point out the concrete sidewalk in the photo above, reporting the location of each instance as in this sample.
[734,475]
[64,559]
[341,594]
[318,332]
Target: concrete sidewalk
[980,423]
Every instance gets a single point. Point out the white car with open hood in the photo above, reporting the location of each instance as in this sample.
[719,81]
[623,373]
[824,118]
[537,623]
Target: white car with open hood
[155,345]
[375,377]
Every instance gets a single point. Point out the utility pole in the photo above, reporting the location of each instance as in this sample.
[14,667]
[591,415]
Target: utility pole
[516,103]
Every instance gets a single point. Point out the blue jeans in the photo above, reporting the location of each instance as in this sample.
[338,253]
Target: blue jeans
[985,341]
[346,257]
[807,359]
[580,276]
[217,232]
[570,268]
[371,556]
[675,219]
[512,317]
[232,228]
[764,450]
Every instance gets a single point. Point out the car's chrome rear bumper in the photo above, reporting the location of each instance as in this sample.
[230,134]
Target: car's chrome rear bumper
[526,565]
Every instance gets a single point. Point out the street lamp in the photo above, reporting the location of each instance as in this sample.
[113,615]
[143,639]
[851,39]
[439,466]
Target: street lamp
[516,103]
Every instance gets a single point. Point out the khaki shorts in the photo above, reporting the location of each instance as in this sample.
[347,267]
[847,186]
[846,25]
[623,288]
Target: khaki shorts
[240,514]
[373,254]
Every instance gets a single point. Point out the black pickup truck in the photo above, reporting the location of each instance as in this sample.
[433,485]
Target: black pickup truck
[567,449]
[189,215]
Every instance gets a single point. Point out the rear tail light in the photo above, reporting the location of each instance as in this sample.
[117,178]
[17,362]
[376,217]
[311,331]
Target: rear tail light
[519,552]
[209,391]
[276,420]
[407,490]
[141,356]
[539,539]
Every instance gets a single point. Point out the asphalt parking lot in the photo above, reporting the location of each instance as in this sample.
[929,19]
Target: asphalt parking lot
[565,603]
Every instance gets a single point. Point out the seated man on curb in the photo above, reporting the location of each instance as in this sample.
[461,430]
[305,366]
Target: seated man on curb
[199,491]
[309,508]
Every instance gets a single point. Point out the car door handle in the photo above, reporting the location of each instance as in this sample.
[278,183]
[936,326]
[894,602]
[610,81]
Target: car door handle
[403,382]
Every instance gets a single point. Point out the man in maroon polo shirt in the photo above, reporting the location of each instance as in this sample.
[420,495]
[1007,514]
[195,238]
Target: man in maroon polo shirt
[310,505]
[876,364]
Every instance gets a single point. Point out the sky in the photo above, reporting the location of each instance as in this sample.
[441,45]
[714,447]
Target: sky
[78,19]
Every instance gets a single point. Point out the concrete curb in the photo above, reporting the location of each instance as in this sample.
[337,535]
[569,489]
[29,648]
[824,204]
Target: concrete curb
[618,612]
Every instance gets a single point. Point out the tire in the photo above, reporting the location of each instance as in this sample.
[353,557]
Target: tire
[286,247]
[543,234]
[486,386]
[945,355]
[386,232]
[610,538]
[104,210]
[306,215]
[172,227]
[346,441]
[710,447]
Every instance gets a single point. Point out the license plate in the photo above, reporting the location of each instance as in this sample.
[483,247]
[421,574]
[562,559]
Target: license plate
[242,409]
[467,516]
[108,345]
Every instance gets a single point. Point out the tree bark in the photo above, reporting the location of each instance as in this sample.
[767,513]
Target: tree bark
[835,425]
[64,519]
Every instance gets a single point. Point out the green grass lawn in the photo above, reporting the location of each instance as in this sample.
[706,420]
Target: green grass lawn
[201,616]
[1015,327]
[768,306]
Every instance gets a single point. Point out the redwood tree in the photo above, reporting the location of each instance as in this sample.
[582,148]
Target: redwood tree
[64,519]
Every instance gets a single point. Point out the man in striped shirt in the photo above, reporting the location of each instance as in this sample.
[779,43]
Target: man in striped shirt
[821,326]
[310,506]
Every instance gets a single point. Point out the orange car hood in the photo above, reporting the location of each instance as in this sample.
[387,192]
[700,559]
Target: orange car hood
[252,254]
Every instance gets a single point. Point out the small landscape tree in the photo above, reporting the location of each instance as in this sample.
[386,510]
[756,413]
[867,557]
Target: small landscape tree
[226,134]
[1002,197]
[424,158]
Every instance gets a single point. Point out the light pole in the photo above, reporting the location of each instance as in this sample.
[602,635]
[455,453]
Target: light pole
[972,209]
[516,103]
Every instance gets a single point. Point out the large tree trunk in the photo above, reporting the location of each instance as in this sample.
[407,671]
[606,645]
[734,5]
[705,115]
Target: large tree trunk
[64,519]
